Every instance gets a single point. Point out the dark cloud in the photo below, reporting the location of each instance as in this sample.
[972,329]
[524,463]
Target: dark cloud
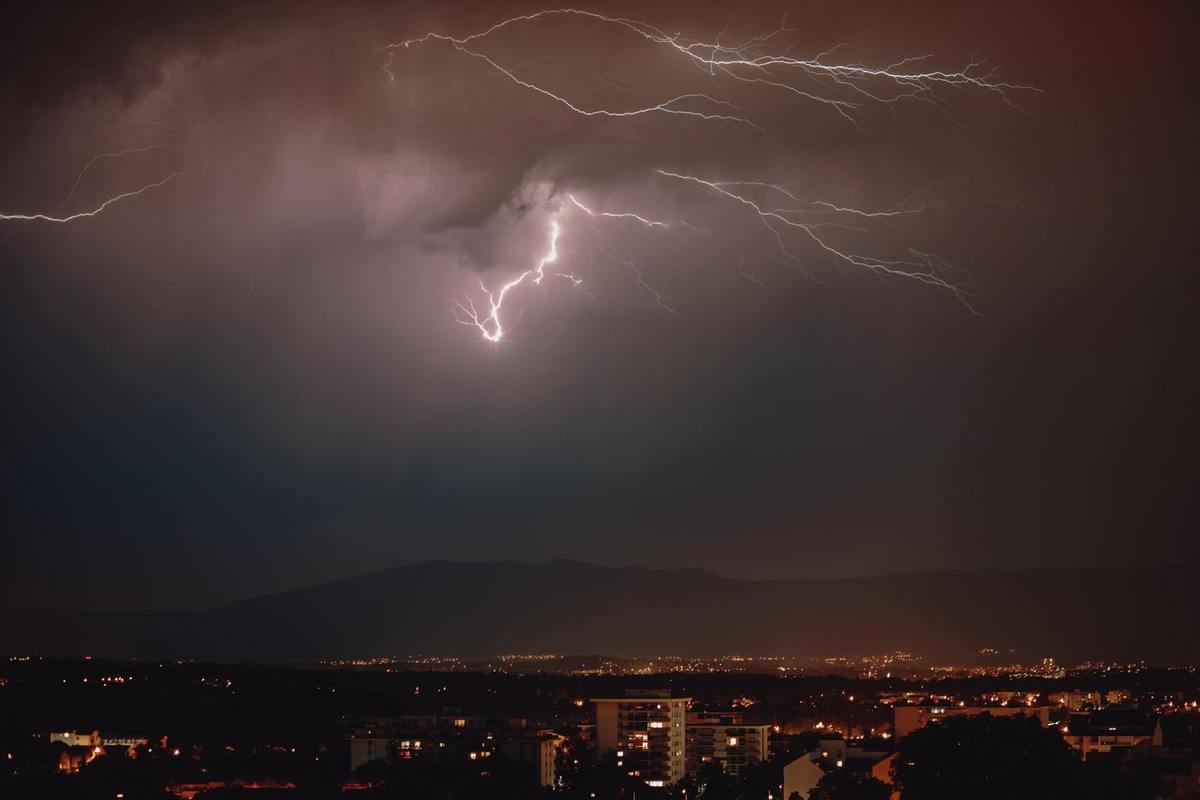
[252,378]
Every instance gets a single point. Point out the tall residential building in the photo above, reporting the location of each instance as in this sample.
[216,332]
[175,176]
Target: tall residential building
[646,730]
[725,739]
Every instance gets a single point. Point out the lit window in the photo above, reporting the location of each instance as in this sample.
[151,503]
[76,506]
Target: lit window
[733,740]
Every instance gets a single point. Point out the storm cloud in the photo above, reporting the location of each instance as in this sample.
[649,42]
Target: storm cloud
[252,378]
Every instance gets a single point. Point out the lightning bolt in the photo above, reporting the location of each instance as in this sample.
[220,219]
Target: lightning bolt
[638,272]
[59,218]
[490,324]
[822,205]
[921,267]
[670,106]
[649,223]
[105,156]
[98,209]
[755,61]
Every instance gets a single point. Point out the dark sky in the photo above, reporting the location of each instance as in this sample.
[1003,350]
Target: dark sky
[250,379]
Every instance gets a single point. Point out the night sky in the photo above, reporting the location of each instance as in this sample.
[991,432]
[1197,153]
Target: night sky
[252,378]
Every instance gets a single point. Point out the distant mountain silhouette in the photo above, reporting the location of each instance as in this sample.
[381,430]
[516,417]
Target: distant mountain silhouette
[481,609]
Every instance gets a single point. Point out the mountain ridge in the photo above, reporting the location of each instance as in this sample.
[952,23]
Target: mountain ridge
[478,609]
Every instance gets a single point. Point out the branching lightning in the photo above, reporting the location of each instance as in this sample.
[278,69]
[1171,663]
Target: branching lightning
[490,324]
[106,156]
[649,223]
[921,267]
[759,60]
[765,60]
[99,208]
[638,272]
[726,68]
[673,106]
[57,216]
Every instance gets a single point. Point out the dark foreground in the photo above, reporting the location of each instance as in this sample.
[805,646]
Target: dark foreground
[126,730]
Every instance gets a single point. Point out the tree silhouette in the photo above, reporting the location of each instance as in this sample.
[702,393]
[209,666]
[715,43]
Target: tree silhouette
[843,785]
[987,758]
